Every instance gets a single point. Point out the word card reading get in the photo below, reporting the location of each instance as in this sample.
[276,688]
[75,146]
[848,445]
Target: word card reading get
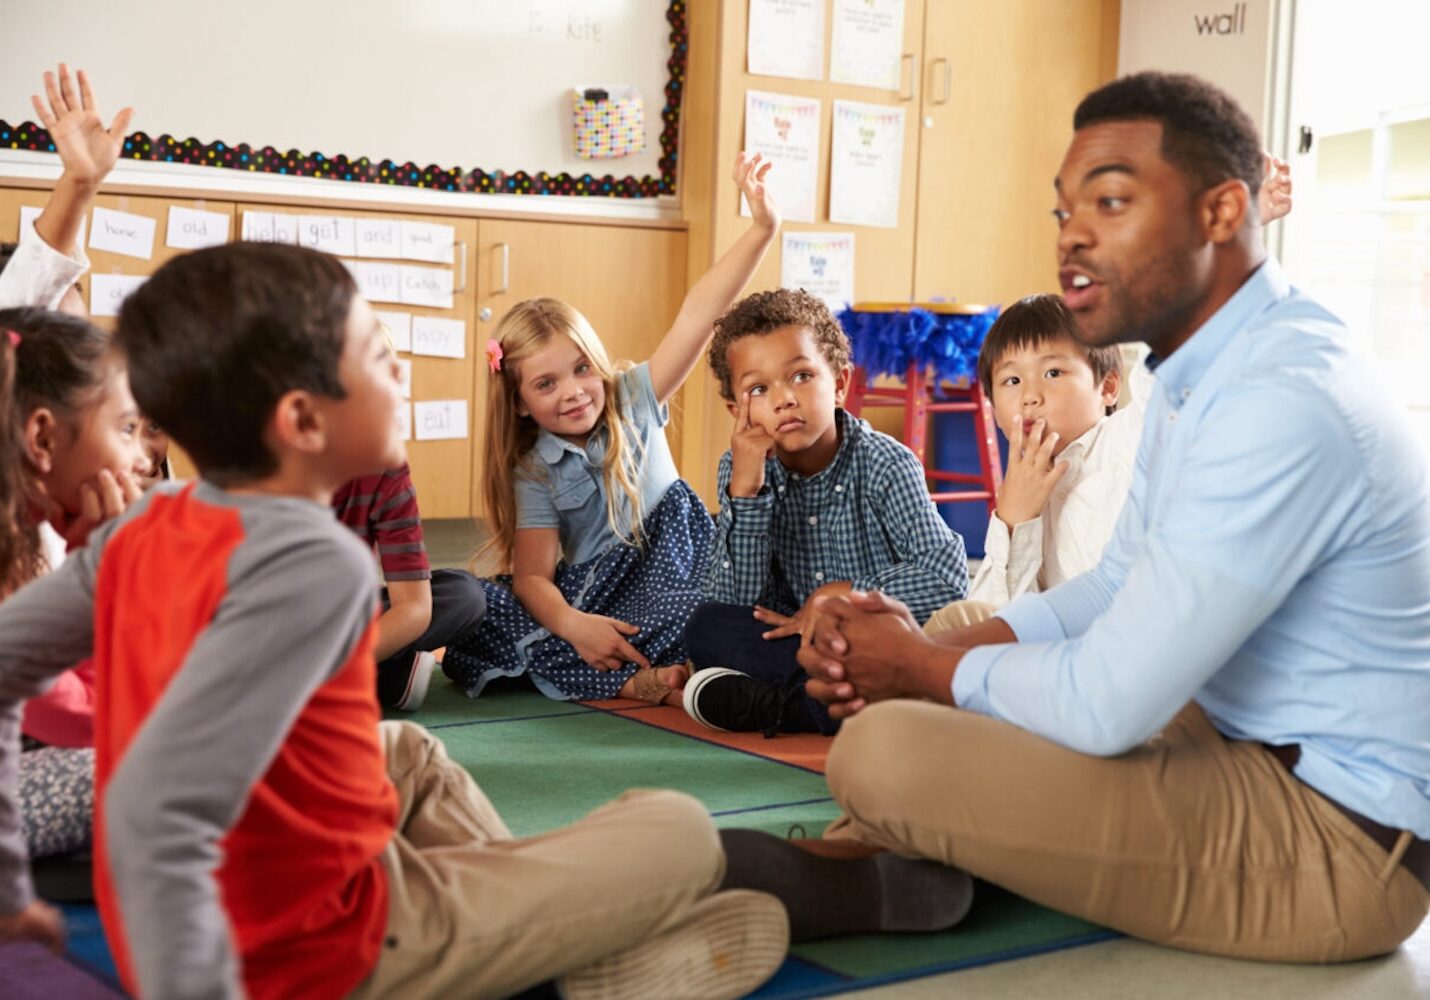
[439,338]
[426,286]
[29,213]
[328,233]
[440,419]
[191,229]
[122,233]
[107,292]
[399,328]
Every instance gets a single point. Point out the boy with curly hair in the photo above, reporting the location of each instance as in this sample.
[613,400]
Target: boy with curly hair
[812,501]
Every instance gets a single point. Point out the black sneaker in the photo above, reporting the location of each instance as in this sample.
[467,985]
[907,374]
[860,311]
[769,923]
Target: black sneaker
[406,689]
[725,699]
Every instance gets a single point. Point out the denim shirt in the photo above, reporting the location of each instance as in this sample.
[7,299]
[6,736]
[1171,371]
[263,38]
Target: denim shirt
[568,489]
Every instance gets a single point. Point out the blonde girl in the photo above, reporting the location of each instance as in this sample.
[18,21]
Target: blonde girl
[605,543]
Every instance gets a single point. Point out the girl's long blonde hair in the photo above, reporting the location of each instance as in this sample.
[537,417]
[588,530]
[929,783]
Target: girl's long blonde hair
[527,329]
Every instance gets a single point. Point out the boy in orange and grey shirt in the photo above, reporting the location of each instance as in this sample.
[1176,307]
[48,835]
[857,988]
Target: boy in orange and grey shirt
[258,832]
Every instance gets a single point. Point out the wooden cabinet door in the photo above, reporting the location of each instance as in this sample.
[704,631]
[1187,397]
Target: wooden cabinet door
[1001,81]
[628,281]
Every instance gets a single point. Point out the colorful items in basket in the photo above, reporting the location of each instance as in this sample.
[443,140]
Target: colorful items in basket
[889,337]
[608,123]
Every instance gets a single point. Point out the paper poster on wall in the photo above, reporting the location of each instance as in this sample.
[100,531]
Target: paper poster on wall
[786,38]
[868,43]
[192,229]
[404,420]
[107,292]
[399,328]
[439,338]
[785,130]
[29,213]
[404,376]
[822,264]
[328,233]
[376,282]
[866,164]
[429,241]
[440,419]
[426,286]
[122,233]
[378,237]
[267,227]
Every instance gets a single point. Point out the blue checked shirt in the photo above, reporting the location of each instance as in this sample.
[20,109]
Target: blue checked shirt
[1272,564]
[865,518]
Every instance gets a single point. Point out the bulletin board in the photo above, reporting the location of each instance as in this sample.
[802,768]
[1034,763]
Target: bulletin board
[451,95]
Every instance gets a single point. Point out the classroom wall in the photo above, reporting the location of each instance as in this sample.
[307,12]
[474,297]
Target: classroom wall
[469,83]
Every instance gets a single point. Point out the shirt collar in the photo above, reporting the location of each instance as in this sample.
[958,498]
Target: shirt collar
[551,448]
[1180,373]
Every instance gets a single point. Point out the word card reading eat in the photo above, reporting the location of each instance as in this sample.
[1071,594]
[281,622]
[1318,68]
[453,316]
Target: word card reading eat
[440,419]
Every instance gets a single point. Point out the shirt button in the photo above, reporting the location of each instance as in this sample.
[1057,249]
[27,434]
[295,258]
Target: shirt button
[727,564]
[1186,394]
[819,576]
[1172,416]
[838,488]
[782,489]
[813,519]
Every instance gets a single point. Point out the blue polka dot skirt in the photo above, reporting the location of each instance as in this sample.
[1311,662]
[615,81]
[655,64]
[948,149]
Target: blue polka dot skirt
[655,588]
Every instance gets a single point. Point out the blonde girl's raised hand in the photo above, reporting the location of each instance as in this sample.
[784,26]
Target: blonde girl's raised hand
[717,290]
[750,173]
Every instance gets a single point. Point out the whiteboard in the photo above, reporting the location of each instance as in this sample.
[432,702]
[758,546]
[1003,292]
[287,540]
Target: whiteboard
[475,84]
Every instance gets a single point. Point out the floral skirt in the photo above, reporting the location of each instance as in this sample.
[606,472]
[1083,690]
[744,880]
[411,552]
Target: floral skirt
[654,587]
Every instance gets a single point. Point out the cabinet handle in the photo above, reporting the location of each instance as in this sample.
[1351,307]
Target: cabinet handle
[505,250]
[906,61]
[947,79]
[462,245]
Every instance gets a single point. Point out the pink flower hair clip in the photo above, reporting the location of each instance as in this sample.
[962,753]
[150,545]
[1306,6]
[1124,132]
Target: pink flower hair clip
[494,356]
[14,338]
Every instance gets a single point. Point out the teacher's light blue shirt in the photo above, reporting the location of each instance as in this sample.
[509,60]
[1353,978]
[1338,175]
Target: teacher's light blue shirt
[1272,563]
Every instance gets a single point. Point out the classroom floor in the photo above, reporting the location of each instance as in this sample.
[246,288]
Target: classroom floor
[1109,969]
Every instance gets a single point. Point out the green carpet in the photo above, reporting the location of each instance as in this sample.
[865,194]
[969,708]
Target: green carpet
[545,763]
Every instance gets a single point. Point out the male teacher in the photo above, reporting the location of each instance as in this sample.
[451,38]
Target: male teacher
[1218,739]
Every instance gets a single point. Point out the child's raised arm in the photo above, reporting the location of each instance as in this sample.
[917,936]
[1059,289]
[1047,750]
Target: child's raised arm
[87,149]
[689,335]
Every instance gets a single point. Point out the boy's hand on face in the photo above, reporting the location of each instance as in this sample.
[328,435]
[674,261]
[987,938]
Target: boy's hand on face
[750,445]
[601,642]
[106,498]
[750,174]
[39,922]
[87,149]
[1032,474]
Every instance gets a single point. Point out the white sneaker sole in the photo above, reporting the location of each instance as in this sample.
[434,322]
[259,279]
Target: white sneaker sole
[726,947]
[690,698]
[418,683]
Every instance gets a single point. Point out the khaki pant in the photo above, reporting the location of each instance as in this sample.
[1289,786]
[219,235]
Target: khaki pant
[1190,840]
[957,615]
[475,912]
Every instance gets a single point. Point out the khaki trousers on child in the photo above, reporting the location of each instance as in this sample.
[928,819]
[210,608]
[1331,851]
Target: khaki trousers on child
[957,615]
[1190,840]
[476,912]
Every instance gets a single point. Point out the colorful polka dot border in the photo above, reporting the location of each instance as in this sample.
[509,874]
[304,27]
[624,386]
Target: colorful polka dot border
[363,170]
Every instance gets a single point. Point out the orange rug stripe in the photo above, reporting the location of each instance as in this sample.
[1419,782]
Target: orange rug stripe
[806,750]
